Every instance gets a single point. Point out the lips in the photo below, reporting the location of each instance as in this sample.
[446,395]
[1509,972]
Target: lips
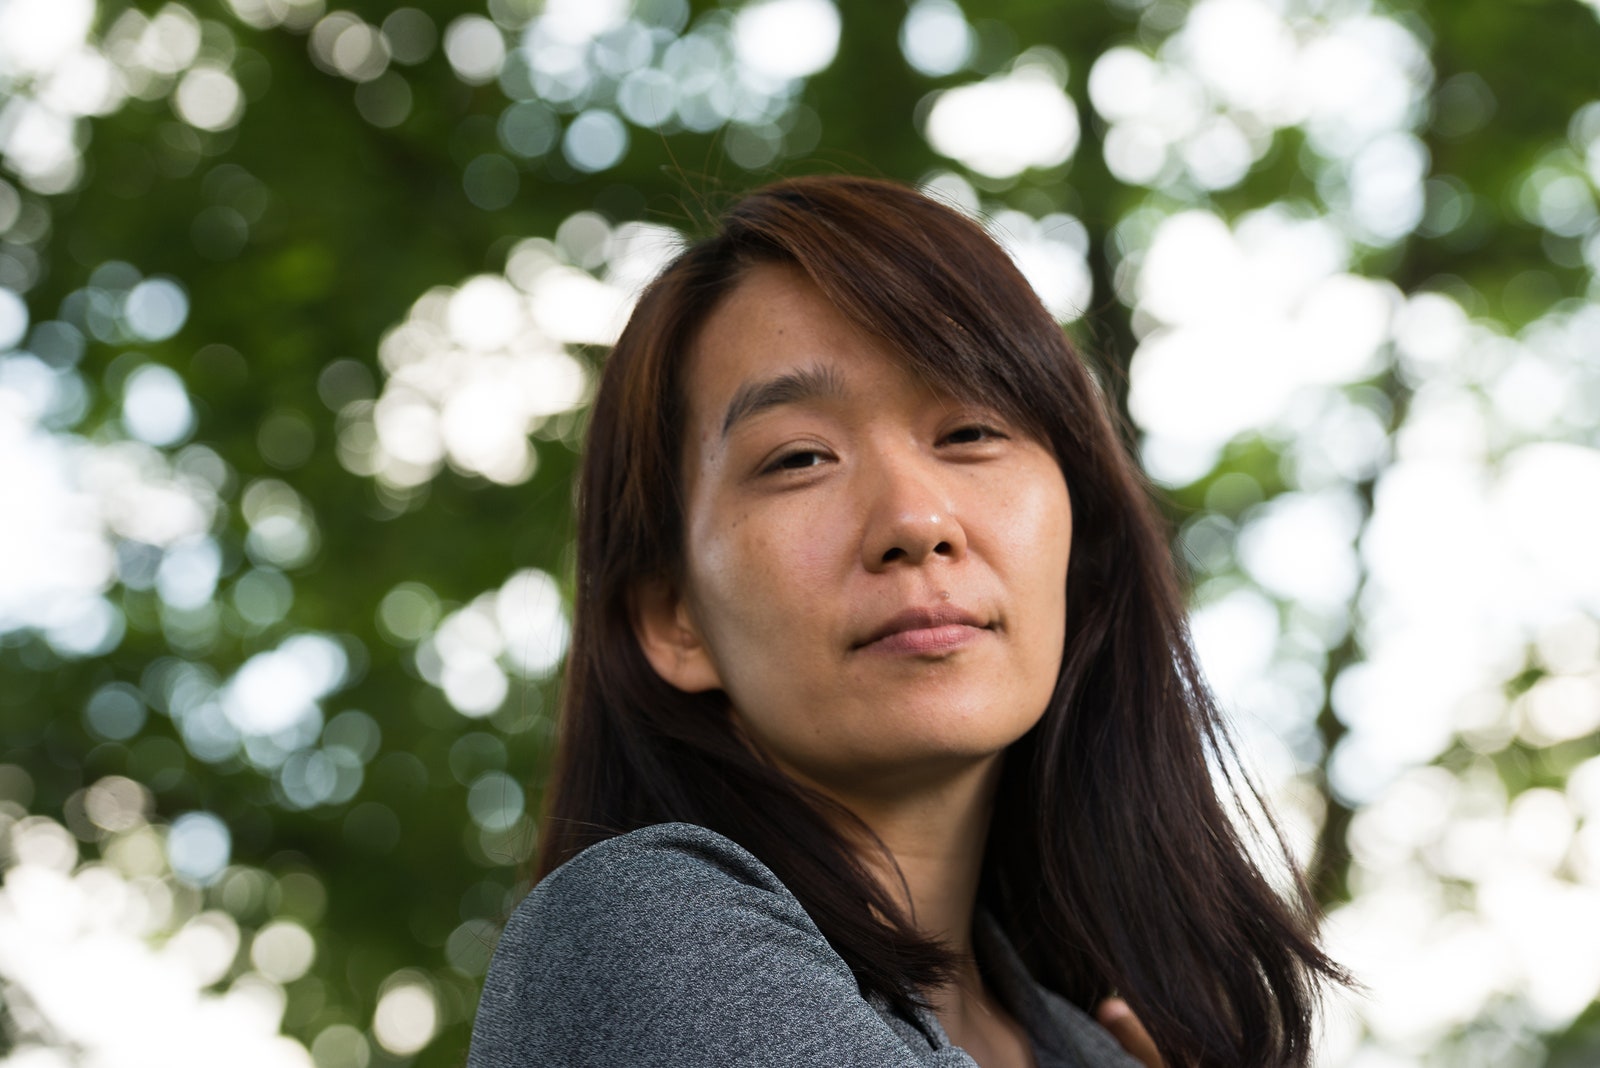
[942,626]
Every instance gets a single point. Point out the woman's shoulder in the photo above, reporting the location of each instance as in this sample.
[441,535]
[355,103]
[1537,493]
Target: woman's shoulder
[671,945]
[666,889]
[656,862]
[658,887]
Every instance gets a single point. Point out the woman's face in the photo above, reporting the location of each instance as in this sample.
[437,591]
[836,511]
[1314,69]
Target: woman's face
[876,571]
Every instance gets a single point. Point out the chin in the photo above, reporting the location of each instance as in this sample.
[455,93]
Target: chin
[968,732]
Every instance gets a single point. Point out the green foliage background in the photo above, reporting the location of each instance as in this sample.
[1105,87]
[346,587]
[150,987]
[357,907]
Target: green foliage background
[349,223]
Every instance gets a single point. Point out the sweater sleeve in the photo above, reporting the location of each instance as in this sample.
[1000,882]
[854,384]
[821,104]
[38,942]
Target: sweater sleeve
[673,946]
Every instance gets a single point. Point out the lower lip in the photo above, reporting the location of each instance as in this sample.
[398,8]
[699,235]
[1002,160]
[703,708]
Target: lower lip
[926,640]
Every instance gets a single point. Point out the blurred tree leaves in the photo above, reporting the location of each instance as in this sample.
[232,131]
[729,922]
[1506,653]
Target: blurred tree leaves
[305,232]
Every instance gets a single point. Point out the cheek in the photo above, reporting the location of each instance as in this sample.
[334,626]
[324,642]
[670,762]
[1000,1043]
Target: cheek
[759,580]
[1033,523]
[1036,537]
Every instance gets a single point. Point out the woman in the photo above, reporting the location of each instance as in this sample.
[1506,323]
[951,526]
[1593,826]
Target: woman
[883,742]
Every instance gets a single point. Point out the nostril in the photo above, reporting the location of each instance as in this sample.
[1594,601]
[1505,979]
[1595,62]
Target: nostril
[943,548]
[893,554]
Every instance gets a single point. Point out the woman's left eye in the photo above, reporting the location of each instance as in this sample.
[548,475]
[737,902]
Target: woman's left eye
[972,435]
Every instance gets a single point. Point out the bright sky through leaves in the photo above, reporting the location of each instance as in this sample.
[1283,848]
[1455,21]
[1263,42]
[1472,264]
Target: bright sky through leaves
[301,309]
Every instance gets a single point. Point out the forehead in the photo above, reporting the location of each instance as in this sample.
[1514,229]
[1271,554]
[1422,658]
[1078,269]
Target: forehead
[774,322]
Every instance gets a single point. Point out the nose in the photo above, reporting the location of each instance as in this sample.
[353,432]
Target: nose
[910,516]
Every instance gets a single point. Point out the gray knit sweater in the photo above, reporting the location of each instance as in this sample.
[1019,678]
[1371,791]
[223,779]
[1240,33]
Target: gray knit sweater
[673,946]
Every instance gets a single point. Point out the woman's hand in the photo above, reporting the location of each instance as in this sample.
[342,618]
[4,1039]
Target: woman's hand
[1116,1016]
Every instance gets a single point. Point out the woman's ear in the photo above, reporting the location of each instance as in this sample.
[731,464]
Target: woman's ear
[669,638]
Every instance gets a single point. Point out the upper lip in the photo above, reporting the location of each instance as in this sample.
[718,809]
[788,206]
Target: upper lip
[922,619]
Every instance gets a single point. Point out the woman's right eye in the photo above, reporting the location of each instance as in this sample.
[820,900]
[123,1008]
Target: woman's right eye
[798,460]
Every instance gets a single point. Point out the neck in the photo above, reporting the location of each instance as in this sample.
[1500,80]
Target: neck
[936,836]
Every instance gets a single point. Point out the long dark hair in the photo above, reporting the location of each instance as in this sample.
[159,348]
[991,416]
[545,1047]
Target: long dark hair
[1112,862]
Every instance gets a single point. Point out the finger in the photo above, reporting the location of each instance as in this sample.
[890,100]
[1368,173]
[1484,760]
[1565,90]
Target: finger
[1117,1016]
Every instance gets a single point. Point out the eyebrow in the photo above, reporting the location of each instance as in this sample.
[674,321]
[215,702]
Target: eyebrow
[791,387]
